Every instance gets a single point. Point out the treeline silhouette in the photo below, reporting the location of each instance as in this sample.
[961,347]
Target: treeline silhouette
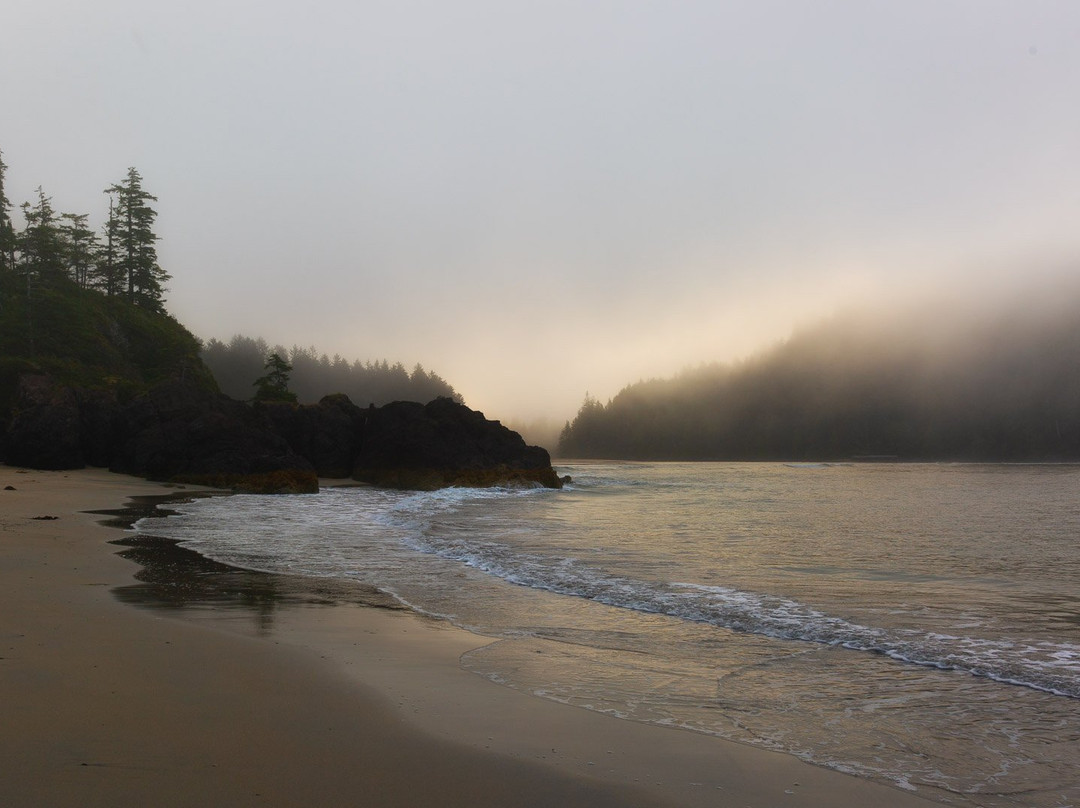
[57,250]
[939,384]
[237,365]
[86,307]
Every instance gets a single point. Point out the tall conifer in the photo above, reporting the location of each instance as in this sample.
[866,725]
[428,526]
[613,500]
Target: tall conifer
[133,241]
[80,243]
[107,278]
[41,244]
[7,229]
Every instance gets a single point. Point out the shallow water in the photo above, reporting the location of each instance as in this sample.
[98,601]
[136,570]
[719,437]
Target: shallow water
[918,624]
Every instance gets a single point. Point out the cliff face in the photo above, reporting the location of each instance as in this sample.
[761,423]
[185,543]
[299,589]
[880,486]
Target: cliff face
[176,431]
[328,434]
[179,432]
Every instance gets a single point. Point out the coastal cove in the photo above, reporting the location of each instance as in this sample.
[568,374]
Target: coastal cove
[325,705]
[914,624]
[535,405]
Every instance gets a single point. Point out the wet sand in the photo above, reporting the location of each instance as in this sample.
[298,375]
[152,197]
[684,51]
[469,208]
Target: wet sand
[232,688]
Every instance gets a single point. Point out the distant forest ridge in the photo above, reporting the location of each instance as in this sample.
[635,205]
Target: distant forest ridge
[964,382]
[238,363]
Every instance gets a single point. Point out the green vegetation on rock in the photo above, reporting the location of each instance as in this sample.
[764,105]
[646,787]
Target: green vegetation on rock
[87,312]
[274,386]
[83,337]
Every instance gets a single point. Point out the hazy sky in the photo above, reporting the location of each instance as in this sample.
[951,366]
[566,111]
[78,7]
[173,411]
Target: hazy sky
[539,199]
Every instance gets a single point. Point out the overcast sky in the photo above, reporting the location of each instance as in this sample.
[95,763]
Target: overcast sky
[539,199]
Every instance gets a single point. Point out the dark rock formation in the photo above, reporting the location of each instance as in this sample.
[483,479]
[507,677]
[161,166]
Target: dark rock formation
[328,433]
[181,433]
[97,413]
[443,443]
[45,430]
[56,426]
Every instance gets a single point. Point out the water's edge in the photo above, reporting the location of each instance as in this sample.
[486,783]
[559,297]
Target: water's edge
[902,722]
[173,577]
[187,585]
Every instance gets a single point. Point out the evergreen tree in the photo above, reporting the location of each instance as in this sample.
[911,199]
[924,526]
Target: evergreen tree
[133,240]
[40,254]
[41,244]
[274,386]
[7,230]
[7,237]
[80,244]
[107,278]
[313,374]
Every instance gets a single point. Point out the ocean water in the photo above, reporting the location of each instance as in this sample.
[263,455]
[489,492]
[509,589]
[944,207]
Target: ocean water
[915,624]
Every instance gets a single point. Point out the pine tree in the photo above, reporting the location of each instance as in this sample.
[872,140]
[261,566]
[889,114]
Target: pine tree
[107,278]
[274,386]
[40,253]
[41,244]
[133,241]
[7,229]
[80,244]
[7,236]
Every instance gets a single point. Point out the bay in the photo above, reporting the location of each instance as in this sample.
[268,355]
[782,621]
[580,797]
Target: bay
[912,623]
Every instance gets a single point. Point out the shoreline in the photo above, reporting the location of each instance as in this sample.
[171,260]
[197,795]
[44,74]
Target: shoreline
[317,699]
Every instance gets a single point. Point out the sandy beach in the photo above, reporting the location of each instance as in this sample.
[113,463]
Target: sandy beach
[104,703]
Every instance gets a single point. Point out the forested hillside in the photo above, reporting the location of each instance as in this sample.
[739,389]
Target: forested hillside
[118,260]
[238,363]
[93,371]
[939,383]
[87,307]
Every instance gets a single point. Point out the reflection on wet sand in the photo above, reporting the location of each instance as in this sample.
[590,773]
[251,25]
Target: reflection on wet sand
[176,578]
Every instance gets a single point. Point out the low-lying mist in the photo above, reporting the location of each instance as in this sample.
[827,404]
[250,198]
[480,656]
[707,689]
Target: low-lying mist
[238,363]
[965,376]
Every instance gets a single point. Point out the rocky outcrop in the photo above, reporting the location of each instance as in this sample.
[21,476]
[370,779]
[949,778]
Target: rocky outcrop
[408,445]
[443,443]
[180,432]
[328,433]
[45,431]
[56,426]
